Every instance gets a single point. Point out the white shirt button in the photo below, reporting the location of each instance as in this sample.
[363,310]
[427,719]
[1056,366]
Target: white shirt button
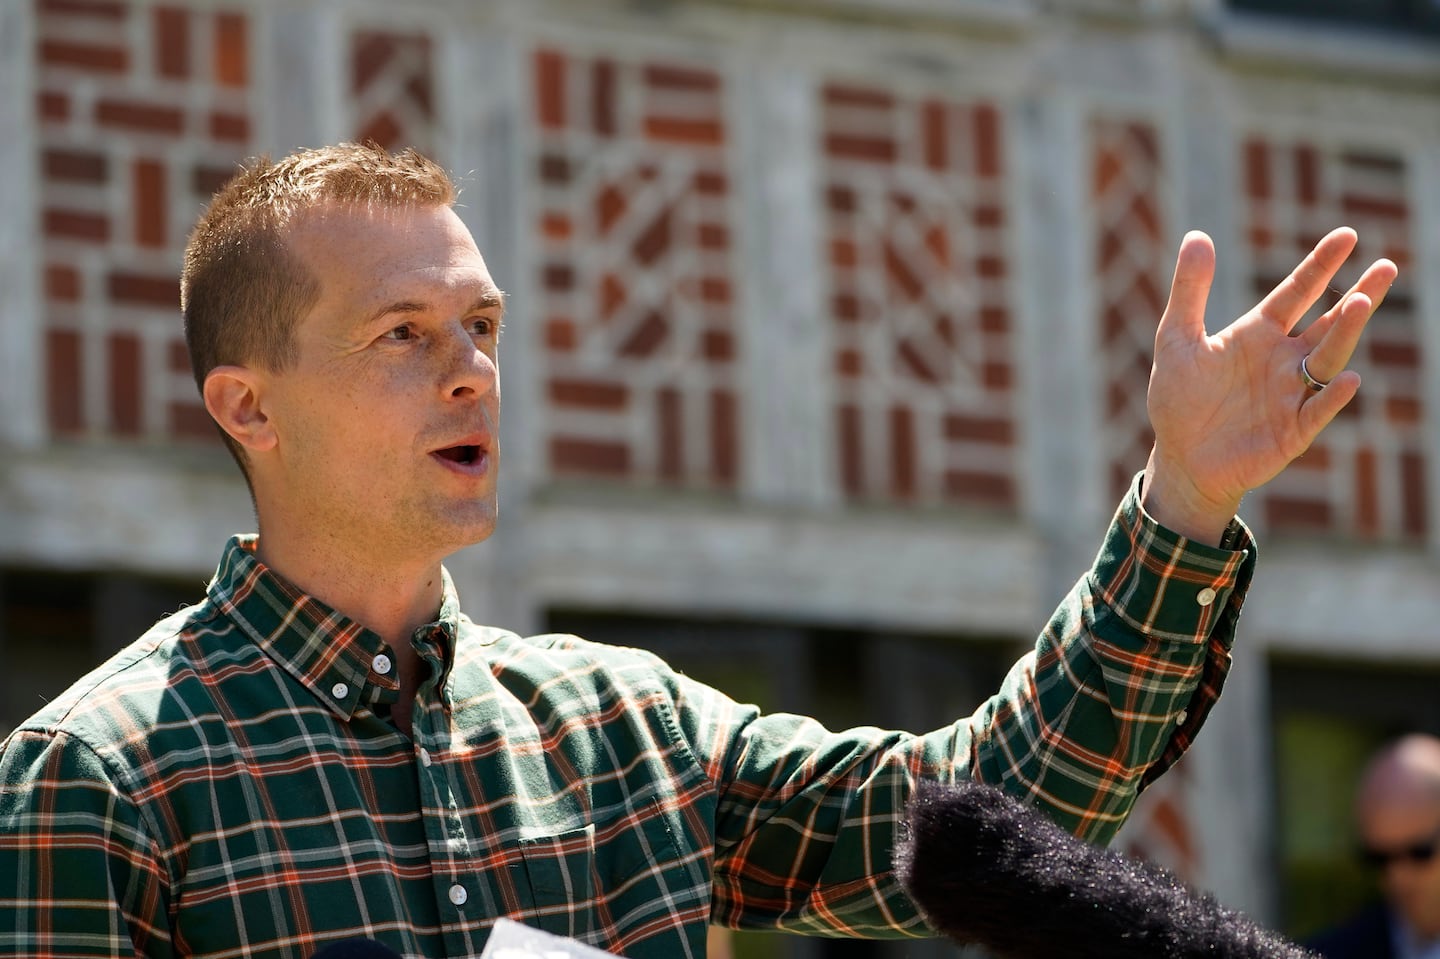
[458,895]
[425,759]
[339,690]
[1205,597]
[1181,716]
[382,664]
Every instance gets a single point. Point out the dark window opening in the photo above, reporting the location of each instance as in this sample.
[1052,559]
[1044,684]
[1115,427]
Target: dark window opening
[1406,17]
[55,626]
[1328,717]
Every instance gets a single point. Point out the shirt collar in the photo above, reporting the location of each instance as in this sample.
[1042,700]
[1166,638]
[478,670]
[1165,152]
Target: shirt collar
[333,656]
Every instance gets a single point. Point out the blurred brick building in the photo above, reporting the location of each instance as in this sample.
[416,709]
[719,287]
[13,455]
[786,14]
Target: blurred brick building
[827,348]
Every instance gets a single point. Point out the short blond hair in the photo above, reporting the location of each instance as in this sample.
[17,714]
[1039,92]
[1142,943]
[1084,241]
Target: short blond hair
[241,288]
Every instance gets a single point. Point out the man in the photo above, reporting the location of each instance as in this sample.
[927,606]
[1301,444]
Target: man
[327,748]
[1397,812]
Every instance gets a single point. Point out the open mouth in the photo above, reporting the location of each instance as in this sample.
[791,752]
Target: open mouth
[464,455]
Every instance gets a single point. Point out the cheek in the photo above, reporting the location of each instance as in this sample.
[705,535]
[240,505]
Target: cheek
[340,423]
[361,399]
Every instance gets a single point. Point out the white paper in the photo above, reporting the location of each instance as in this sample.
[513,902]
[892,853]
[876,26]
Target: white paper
[512,940]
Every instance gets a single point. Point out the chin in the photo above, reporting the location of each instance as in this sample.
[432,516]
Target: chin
[446,526]
[479,536]
[471,530]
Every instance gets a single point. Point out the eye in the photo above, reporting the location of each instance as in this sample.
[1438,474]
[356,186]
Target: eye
[483,326]
[402,332]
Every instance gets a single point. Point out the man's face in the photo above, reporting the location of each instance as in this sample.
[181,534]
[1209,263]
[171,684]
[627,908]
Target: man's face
[387,423]
[1397,835]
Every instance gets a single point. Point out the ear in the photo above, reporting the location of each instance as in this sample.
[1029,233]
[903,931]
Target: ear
[232,396]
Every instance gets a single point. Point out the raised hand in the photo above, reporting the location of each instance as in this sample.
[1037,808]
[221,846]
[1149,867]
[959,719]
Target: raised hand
[1231,410]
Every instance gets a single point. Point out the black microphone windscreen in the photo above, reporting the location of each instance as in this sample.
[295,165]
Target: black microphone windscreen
[984,869]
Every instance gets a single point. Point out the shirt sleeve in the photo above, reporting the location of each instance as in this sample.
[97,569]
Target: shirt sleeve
[78,873]
[1117,685]
[1123,676]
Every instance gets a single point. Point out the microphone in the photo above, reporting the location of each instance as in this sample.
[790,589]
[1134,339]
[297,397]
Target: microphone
[985,869]
[356,949]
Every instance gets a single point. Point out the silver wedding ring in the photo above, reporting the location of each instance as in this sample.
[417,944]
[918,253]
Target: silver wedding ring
[1310,381]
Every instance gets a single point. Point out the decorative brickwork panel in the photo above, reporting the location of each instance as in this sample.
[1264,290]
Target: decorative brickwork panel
[144,110]
[392,89]
[1159,829]
[637,294]
[917,234]
[1365,477]
[1131,262]
[1131,265]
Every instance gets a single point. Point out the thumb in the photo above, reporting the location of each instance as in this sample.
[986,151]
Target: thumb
[1184,316]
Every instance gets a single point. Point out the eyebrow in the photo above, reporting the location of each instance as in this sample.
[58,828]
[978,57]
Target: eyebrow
[490,299]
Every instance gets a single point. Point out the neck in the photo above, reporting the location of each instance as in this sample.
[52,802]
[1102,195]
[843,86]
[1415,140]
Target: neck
[382,592]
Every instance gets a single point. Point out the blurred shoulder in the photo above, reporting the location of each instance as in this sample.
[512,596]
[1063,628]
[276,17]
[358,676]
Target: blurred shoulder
[1366,935]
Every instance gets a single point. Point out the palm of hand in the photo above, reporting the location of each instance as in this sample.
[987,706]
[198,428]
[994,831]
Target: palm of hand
[1230,410]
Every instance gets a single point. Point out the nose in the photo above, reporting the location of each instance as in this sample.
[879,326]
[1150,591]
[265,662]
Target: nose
[468,370]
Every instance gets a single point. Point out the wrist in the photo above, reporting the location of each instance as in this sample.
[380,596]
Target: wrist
[1169,496]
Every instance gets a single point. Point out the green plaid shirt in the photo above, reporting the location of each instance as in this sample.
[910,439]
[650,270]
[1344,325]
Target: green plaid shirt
[227,785]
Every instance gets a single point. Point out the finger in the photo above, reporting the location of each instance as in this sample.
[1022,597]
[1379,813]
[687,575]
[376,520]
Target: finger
[1320,408]
[1374,283]
[1184,315]
[1296,293]
[1330,355]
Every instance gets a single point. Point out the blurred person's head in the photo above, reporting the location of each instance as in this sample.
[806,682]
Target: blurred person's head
[1397,810]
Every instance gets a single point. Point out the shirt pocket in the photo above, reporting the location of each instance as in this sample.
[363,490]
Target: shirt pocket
[560,868]
[583,880]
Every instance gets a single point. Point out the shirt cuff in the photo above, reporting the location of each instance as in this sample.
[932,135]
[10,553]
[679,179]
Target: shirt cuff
[1166,585]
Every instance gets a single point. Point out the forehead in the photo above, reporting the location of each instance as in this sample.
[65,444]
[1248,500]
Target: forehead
[364,253]
[1402,820]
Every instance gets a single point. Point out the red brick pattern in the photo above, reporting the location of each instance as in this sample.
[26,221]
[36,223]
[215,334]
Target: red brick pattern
[392,89]
[1159,829]
[1366,476]
[1131,263]
[917,235]
[144,109]
[637,294]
